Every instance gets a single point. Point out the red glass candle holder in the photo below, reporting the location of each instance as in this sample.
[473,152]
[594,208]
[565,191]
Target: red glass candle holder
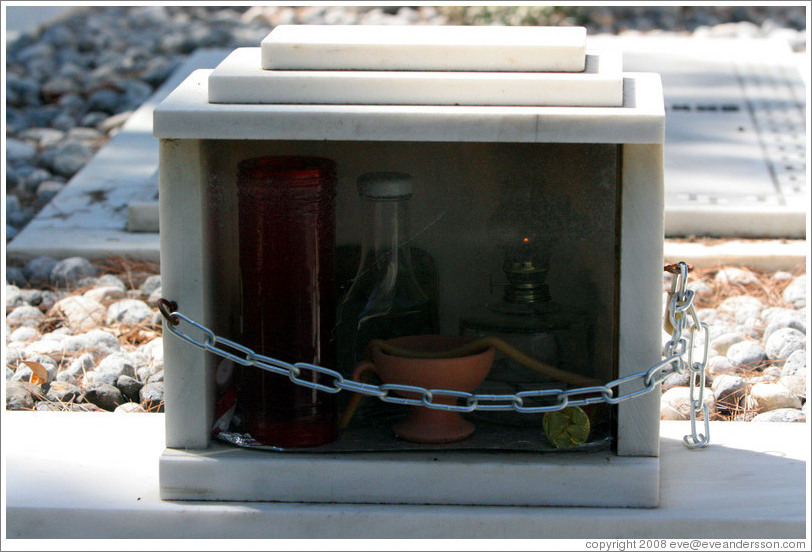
[287,243]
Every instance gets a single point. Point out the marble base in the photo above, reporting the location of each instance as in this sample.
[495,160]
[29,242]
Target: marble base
[240,79]
[224,472]
[424,48]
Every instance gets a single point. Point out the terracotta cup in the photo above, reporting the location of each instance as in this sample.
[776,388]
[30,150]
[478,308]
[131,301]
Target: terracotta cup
[422,424]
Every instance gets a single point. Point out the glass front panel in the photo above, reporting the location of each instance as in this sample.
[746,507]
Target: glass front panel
[517,242]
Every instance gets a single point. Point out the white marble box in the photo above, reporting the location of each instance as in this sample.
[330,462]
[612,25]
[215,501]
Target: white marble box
[604,163]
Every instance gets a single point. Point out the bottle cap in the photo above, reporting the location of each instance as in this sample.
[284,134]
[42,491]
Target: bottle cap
[385,185]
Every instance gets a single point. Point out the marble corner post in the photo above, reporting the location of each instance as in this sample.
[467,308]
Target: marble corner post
[641,252]
[189,384]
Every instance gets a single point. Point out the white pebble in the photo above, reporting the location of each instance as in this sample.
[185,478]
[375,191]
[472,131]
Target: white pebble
[771,396]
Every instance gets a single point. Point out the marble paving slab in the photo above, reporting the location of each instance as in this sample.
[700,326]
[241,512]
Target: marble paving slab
[113,492]
[735,149]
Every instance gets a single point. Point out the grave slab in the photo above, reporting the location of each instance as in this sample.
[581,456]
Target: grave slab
[751,479]
[766,255]
[735,148]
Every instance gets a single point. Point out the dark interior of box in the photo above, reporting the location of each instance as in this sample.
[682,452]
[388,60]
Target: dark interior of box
[472,203]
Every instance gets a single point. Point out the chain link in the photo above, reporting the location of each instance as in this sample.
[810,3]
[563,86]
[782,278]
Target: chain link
[681,315]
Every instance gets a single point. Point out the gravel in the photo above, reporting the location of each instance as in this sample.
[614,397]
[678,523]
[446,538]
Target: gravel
[728,390]
[746,353]
[757,350]
[95,354]
[105,396]
[129,311]
[69,271]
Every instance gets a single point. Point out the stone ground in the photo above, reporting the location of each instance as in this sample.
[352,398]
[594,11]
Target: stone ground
[84,337]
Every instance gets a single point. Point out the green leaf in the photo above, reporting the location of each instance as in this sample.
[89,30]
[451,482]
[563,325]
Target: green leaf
[566,428]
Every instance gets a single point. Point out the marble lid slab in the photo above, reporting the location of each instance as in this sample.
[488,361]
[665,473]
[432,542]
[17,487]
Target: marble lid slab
[239,79]
[188,114]
[425,48]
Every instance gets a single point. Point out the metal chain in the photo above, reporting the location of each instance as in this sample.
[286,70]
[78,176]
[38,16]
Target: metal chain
[681,316]
[681,301]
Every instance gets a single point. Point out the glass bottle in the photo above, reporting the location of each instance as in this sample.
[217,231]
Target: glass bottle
[385,299]
[287,242]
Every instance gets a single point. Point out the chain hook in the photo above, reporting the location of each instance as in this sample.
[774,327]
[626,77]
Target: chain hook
[168,309]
